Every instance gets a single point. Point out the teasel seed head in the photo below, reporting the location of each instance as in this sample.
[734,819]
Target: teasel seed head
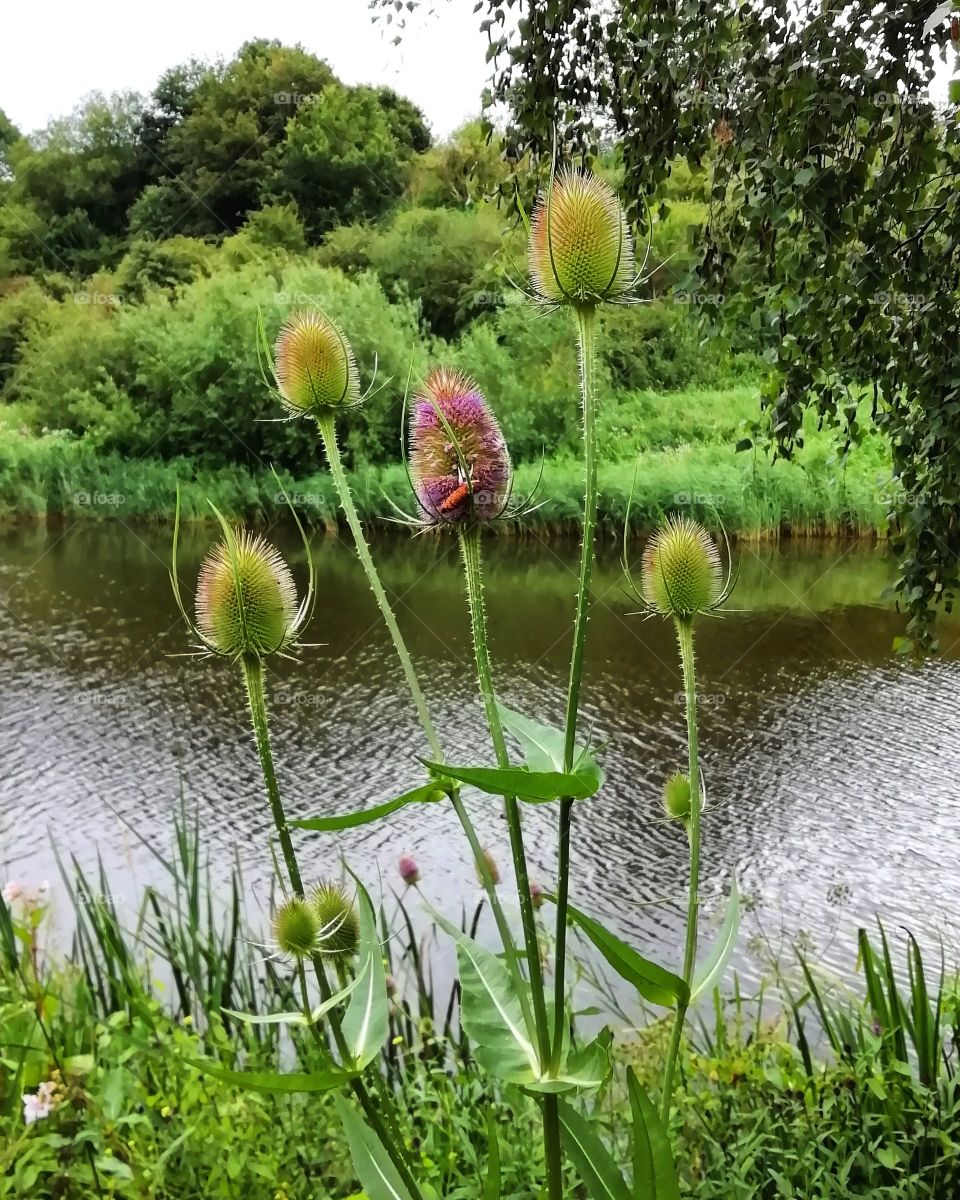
[682,575]
[246,598]
[459,462]
[337,918]
[581,251]
[676,796]
[315,369]
[295,928]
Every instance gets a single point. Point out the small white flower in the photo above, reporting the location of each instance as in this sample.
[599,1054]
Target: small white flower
[12,891]
[37,1106]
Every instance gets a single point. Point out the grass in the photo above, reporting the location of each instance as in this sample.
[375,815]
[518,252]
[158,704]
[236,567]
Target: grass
[670,451]
[812,1089]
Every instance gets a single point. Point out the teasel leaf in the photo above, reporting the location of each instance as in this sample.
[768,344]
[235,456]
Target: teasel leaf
[270,1081]
[366,1021]
[710,972]
[491,1013]
[294,1018]
[378,1176]
[593,1161]
[585,1070]
[536,787]
[654,1171]
[543,745]
[428,793]
[653,982]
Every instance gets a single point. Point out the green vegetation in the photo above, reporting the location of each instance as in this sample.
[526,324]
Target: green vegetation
[128,350]
[806,1091]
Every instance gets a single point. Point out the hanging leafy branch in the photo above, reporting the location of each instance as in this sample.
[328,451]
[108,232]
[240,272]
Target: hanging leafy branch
[834,216]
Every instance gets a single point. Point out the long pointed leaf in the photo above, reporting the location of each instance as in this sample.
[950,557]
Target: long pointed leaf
[294,1018]
[654,1172]
[710,973]
[429,793]
[543,745]
[378,1177]
[540,787]
[653,982]
[492,1186]
[491,1013]
[367,1019]
[594,1162]
[268,1081]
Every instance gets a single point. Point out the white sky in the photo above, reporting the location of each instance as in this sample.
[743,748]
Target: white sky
[53,53]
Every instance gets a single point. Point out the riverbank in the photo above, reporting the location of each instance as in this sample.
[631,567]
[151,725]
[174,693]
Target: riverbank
[56,476]
[100,1092]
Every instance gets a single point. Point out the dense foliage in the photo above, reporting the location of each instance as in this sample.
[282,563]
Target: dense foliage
[832,177]
[761,1114]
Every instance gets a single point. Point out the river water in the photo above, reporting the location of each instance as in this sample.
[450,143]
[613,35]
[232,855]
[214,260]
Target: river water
[829,764]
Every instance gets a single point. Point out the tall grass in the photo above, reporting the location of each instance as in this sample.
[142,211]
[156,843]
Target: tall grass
[57,476]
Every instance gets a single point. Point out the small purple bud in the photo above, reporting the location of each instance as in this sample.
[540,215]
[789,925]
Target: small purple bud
[409,871]
[452,488]
[536,894]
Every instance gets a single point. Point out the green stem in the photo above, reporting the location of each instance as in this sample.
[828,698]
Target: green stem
[253,677]
[253,680]
[470,551]
[688,663]
[585,324]
[328,435]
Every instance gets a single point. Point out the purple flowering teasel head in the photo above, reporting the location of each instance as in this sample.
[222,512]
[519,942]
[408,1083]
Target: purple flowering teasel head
[459,463]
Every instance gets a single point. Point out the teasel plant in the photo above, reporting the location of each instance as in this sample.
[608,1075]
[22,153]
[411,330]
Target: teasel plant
[246,612]
[312,369]
[683,579]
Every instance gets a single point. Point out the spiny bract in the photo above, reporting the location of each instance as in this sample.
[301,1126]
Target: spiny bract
[315,368]
[446,492]
[581,251]
[246,598]
[681,569]
[676,796]
[339,923]
[295,927]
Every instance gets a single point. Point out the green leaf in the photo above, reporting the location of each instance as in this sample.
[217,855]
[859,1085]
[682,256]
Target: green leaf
[586,1069]
[269,1081]
[366,1021]
[490,1012]
[492,1186]
[711,970]
[537,786]
[593,1160]
[378,1177]
[654,1172]
[543,746]
[429,793]
[654,983]
[294,1018]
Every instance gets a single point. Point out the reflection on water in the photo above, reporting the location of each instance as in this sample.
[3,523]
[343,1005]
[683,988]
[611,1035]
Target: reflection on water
[830,766]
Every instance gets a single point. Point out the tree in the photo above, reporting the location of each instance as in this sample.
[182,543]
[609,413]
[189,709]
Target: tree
[834,187]
[341,159]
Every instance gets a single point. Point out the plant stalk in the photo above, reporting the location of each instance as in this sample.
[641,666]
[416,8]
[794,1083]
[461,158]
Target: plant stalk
[328,435]
[253,677]
[585,318]
[688,663]
[470,551]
